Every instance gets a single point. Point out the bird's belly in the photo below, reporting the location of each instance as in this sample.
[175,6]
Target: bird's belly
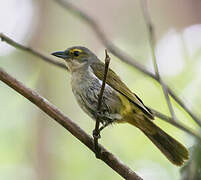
[87,97]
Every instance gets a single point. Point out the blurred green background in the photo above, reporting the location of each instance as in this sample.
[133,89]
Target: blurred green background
[33,146]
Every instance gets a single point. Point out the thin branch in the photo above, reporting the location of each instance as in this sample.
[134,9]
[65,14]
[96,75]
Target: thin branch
[151,36]
[176,124]
[69,125]
[96,130]
[31,51]
[121,54]
[101,35]
[185,107]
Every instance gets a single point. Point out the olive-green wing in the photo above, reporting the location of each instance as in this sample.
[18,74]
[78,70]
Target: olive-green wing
[115,82]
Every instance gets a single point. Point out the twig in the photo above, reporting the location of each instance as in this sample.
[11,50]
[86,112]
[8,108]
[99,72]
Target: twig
[184,106]
[96,132]
[176,124]
[31,51]
[101,35]
[69,125]
[151,37]
[121,54]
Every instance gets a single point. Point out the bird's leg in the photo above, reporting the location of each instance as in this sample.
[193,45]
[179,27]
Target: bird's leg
[96,135]
[96,132]
[104,125]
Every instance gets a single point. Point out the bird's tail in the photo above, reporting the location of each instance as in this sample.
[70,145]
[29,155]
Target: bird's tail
[171,148]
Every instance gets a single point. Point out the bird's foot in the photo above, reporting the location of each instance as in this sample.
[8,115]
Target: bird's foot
[96,134]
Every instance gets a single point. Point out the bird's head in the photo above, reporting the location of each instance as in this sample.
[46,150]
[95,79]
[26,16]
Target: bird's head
[76,57]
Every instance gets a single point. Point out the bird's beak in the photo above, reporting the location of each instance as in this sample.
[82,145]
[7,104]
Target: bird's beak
[61,54]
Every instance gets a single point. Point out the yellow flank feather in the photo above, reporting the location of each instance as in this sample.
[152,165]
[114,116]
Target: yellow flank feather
[126,106]
[115,82]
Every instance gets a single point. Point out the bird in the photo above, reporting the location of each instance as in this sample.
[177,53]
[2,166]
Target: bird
[119,103]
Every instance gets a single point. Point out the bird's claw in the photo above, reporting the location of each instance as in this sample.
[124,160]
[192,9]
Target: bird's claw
[96,134]
[99,114]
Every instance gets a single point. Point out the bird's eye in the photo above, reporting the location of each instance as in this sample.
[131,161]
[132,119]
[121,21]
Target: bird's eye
[76,53]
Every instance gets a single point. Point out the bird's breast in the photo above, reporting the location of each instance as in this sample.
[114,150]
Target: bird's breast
[86,88]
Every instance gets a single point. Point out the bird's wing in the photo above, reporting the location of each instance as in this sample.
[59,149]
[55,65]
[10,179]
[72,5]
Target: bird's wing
[115,82]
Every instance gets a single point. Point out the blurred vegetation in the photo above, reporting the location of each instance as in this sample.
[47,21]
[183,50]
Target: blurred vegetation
[192,170]
[34,147]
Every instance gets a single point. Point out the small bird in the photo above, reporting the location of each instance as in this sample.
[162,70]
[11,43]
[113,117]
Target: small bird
[119,103]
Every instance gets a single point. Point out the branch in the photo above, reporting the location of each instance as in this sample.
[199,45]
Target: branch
[69,125]
[121,54]
[96,131]
[151,34]
[176,124]
[31,51]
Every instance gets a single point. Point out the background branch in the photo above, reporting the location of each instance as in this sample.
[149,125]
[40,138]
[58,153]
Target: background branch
[31,51]
[151,37]
[176,123]
[69,125]
[121,54]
